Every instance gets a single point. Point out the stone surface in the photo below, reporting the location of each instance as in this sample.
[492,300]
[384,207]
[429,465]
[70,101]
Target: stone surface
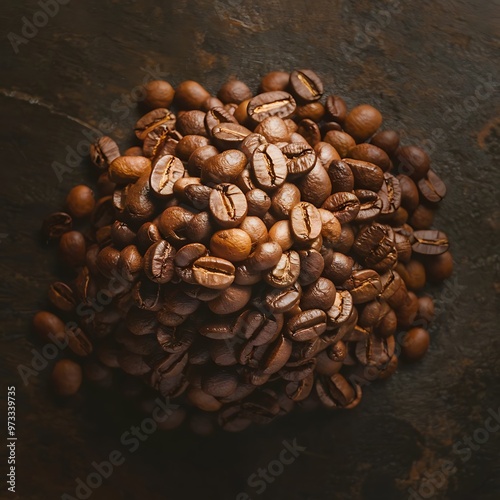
[423,64]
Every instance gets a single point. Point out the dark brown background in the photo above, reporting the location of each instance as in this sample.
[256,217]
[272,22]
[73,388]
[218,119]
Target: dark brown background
[415,64]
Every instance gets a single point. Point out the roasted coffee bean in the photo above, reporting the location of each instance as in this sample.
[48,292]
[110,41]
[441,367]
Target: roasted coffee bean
[344,205]
[234,91]
[223,167]
[229,135]
[159,262]
[66,377]
[413,161]
[388,140]
[306,85]
[148,234]
[184,259]
[282,300]
[258,202]
[336,392]
[80,201]
[375,243]
[390,194]
[273,129]
[275,103]
[311,266]
[339,268]
[160,118]
[198,195]
[284,199]
[121,234]
[72,248]
[312,110]
[56,224]
[128,168]
[281,233]
[306,325]
[246,276]
[439,267]
[228,205]
[159,94]
[190,95]
[336,108]
[305,221]
[251,143]
[213,272]
[200,228]
[165,172]
[422,217]
[269,166]
[429,242]
[432,189]
[265,256]
[341,141]
[198,158]
[372,154]
[326,153]
[363,285]
[318,295]
[413,274]
[362,122]
[233,244]
[309,131]
[366,175]
[62,296]
[370,205]
[341,176]
[231,300]
[173,224]
[300,158]
[415,343]
[286,272]
[217,116]
[315,186]
[256,229]
[103,151]
[275,80]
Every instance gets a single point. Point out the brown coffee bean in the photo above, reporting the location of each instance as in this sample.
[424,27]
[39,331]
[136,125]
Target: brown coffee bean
[56,224]
[344,205]
[191,123]
[213,272]
[336,108]
[318,295]
[190,95]
[269,166]
[306,325]
[126,169]
[364,285]
[66,377]
[341,141]
[372,154]
[165,172]
[80,201]
[306,85]
[158,120]
[223,167]
[366,175]
[103,151]
[388,140]
[234,91]
[231,244]
[159,94]
[422,217]
[258,202]
[432,189]
[390,194]
[370,205]
[72,248]
[228,205]
[439,267]
[315,186]
[62,296]
[273,129]
[341,176]
[415,344]
[286,272]
[231,300]
[429,242]
[188,145]
[305,221]
[159,262]
[275,80]
[362,122]
[275,103]
[174,223]
[413,161]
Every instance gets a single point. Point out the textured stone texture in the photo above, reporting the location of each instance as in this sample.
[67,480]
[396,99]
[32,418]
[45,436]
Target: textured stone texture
[422,64]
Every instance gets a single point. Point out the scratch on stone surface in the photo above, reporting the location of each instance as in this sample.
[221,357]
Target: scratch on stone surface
[23,96]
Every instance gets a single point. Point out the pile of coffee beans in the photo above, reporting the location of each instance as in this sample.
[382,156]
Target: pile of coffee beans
[250,254]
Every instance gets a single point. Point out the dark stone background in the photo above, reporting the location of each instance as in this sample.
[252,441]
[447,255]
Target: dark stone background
[422,64]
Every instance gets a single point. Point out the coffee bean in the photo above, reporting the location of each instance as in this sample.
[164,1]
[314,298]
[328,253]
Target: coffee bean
[390,194]
[388,140]
[300,158]
[415,343]
[269,166]
[439,267]
[62,296]
[56,224]
[190,95]
[160,118]
[341,176]
[228,205]
[413,161]
[372,154]
[422,217]
[429,242]
[174,222]
[229,135]
[362,122]
[286,272]
[231,244]
[275,103]
[432,189]
[318,295]
[336,108]
[213,272]
[344,205]
[234,91]
[231,300]
[72,248]
[366,175]
[165,172]
[305,221]
[363,285]
[159,94]
[306,85]
[258,202]
[326,153]
[66,377]
[159,262]
[341,141]
[282,300]
[370,205]
[103,151]
[80,201]
[275,80]
[339,268]
[315,186]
